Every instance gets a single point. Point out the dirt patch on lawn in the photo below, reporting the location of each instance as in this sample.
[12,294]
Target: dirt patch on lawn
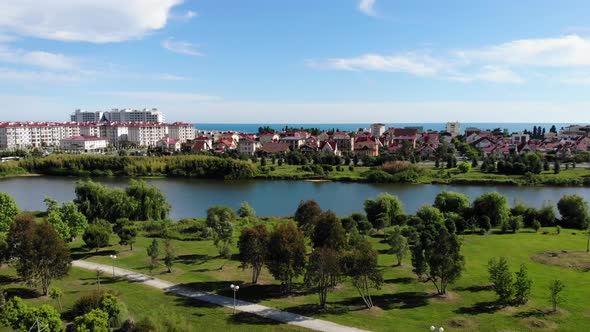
[573,259]
[462,323]
[541,324]
[449,297]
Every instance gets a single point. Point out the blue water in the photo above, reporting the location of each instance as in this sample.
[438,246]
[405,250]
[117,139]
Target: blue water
[253,127]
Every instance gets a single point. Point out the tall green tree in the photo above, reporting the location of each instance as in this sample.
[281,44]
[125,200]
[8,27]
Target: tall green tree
[97,235]
[152,204]
[253,243]
[328,232]
[220,219]
[306,215]
[449,201]
[361,265]
[444,259]
[170,254]
[41,255]
[323,272]
[522,286]
[286,253]
[398,244]
[247,212]
[430,214]
[494,206]
[574,212]
[8,211]
[384,210]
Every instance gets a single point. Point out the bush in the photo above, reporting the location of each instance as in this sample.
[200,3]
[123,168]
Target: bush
[464,167]
[394,167]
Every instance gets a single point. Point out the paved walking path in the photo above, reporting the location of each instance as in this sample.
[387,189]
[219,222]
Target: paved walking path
[259,310]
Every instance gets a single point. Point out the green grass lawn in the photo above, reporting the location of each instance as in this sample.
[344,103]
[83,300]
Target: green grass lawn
[403,303]
[143,301]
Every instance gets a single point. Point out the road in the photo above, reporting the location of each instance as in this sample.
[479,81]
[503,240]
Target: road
[244,306]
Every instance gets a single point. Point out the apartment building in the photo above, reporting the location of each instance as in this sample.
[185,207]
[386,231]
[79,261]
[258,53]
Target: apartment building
[377,129]
[126,115]
[181,131]
[21,135]
[146,134]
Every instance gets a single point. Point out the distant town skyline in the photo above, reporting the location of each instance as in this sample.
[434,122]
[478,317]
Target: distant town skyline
[334,61]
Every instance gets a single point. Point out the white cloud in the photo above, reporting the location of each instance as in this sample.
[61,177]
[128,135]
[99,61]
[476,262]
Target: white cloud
[367,7]
[170,77]
[416,64]
[41,59]
[35,76]
[179,46]
[162,96]
[190,14]
[97,21]
[490,74]
[567,51]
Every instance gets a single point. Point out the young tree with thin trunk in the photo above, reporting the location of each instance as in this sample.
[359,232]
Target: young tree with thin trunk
[153,251]
[253,244]
[522,286]
[56,294]
[555,288]
[360,264]
[323,272]
[286,253]
[170,254]
[501,279]
[398,244]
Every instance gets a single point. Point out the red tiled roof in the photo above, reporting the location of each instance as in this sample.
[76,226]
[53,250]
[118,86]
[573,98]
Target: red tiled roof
[84,138]
[168,140]
[273,147]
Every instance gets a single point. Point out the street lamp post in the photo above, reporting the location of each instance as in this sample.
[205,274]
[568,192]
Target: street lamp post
[113,257]
[235,288]
[437,329]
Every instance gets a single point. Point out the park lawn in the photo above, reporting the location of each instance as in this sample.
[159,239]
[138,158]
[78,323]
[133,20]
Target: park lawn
[143,301]
[403,302]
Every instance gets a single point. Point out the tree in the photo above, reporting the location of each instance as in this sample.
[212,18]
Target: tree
[8,211]
[515,223]
[253,243]
[448,201]
[323,271]
[246,211]
[555,289]
[493,205]
[430,214]
[444,259]
[485,224]
[152,204]
[13,312]
[127,235]
[56,294]
[56,220]
[398,244]
[220,219]
[501,279]
[41,255]
[306,215]
[328,232]
[44,316]
[383,211]
[536,225]
[556,166]
[574,212]
[170,254]
[75,219]
[464,167]
[97,235]
[94,321]
[546,214]
[361,265]
[153,251]
[286,253]
[522,286]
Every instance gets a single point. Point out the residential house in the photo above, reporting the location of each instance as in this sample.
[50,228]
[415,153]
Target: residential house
[344,141]
[168,144]
[366,145]
[275,148]
[83,143]
[324,136]
[330,147]
[248,146]
[268,137]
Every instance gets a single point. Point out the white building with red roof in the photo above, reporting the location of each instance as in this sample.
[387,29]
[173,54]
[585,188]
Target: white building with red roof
[83,143]
[168,144]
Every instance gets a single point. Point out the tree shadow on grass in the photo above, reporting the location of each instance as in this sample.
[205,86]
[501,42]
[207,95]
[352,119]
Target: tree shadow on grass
[538,313]
[192,259]
[488,307]
[250,293]
[22,292]
[82,253]
[251,319]
[475,288]
[5,280]
[403,280]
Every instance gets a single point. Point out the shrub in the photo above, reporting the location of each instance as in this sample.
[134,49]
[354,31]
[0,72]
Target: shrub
[464,167]
[394,167]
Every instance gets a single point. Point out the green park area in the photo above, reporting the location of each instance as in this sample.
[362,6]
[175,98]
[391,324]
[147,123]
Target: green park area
[480,265]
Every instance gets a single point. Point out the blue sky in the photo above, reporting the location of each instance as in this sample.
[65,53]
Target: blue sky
[298,61]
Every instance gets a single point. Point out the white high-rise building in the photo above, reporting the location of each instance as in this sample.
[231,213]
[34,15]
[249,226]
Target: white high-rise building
[377,129]
[454,128]
[181,131]
[23,135]
[150,115]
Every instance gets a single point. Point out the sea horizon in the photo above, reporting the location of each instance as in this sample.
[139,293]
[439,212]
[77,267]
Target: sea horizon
[433,126]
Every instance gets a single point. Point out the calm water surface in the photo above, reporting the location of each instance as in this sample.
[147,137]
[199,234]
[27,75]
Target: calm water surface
[192,197]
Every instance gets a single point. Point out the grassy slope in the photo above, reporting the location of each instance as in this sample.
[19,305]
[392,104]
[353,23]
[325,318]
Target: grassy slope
[403,302]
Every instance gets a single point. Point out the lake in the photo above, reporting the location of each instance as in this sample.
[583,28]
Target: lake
[192,197]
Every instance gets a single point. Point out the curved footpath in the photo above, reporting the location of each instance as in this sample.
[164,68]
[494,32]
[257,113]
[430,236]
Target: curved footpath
[255,309]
